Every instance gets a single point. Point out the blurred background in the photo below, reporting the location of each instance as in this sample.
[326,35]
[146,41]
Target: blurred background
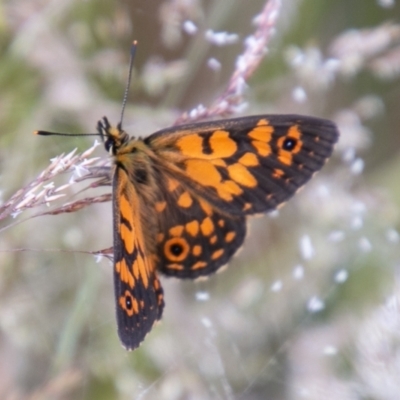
[309,309]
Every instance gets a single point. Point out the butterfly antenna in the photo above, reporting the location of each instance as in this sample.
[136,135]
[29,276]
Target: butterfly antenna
[128,84]
[47,133]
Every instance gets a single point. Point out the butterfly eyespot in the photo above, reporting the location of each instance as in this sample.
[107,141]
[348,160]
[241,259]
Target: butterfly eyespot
[176,249]
[128,303]
[289,144]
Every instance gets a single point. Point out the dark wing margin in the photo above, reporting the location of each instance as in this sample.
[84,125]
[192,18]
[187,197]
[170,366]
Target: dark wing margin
[138,293]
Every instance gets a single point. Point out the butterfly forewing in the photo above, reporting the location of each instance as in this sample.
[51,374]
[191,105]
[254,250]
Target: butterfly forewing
[138,293]
[246,165]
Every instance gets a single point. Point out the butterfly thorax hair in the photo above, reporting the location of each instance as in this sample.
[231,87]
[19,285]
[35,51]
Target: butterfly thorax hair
[130,154]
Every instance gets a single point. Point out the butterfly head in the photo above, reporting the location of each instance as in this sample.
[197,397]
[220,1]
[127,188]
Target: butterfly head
[112,137]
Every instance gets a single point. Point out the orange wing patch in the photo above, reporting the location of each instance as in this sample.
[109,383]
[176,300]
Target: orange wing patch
[215,146]
[262,132]
[261,135]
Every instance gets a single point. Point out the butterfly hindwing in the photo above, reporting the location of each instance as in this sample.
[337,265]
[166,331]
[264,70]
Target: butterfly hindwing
[194,238]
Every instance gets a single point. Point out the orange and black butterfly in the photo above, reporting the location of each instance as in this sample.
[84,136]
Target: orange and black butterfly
[182,195]
[181,198]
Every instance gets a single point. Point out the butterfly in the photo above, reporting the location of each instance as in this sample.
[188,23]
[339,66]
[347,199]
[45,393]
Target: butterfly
[181,198]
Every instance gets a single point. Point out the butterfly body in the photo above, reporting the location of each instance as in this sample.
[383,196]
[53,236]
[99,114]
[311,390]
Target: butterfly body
[181,197]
